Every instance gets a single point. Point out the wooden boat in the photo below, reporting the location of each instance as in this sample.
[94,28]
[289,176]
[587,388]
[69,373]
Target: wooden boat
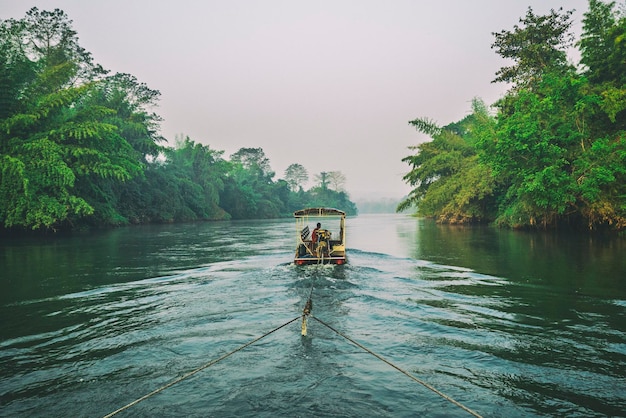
[320,236]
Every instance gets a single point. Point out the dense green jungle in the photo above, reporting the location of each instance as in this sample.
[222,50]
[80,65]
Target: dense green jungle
[551,153]
[81,148]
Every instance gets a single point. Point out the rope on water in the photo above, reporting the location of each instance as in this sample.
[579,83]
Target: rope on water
[421,382]
[308,307]
[306,312]
[191,373]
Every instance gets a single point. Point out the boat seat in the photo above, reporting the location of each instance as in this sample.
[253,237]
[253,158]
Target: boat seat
[304,234]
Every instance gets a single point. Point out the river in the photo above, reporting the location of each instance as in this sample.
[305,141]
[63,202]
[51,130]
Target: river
[505,323]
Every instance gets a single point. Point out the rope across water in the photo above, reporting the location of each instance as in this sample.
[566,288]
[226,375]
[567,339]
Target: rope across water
[421,382]
[193,372]
[306,313]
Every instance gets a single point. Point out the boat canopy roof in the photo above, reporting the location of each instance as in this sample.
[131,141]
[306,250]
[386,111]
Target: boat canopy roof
[318,212]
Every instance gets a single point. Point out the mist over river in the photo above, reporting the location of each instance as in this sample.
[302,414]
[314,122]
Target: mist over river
[506,323]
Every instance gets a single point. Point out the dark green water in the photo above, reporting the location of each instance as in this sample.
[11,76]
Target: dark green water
[506,323]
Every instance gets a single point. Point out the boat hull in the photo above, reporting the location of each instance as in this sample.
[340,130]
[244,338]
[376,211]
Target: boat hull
[304,261]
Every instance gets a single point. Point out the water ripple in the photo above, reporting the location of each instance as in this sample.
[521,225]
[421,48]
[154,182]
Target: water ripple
[504,347]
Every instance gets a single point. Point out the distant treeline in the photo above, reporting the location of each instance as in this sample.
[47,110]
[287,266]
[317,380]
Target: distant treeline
[377,205]
[81,148]
[554,152]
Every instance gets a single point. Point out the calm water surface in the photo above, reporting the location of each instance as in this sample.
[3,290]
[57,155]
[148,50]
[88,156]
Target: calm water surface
[506,323]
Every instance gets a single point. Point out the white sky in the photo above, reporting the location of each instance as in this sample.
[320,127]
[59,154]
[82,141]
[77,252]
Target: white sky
[327,84]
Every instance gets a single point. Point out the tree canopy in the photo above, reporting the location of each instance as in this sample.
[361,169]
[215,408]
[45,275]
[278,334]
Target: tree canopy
[554,152]
[80,147]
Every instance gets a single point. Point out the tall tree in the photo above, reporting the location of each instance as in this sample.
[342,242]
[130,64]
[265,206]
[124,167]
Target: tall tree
[322,179]
[534,150]
[600,166]
[602,43]
[56,136]
[295,176]
[451,183]
[249,190]
[337,181]
[603,55]
[16,69]
[79,147]
[539,45]
[254,160]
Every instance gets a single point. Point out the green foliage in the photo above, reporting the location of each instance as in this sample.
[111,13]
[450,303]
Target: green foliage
[296,175]
[324,197]
[253,160]
[426,126]
[80,148]
[53,137]
[17,70]
[556,152]
[451,183]
[537,46]
[603,43]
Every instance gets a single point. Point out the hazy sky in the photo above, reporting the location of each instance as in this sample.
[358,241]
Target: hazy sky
[327,84]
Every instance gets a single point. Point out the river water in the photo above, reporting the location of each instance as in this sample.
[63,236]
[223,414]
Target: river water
[505,323]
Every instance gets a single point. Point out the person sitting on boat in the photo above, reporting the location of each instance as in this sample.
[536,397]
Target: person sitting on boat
[319,240]
[314,234]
